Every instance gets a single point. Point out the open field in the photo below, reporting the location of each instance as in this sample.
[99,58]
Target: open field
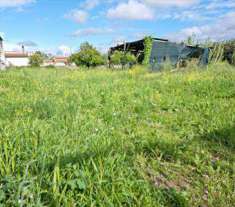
[117,138]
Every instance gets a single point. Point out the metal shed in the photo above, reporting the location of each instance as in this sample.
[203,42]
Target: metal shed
[162,50]
[175,52]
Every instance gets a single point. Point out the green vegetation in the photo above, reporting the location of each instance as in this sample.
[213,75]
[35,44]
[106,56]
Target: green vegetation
[148,43]
[87,56]
[217,53]
[128,59]
[36,59]
[116,58]
[117,138]
[123,58]
[233,57]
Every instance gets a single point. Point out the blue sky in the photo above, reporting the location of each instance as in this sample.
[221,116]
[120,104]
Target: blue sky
[59,26]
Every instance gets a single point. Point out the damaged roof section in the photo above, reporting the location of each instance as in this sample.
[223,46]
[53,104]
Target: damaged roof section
[135,47]
[176,52]
[162,50]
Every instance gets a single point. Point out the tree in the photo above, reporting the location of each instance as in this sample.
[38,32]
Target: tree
[36,59]
[123,58]
[116,58]
[191,40]
[87,56]
[130,59]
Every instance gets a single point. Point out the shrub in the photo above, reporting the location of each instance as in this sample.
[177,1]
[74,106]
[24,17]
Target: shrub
[123,58]
[50,66]
[88,56]
[130,59]
[166,65]
[116,58]
[36,59]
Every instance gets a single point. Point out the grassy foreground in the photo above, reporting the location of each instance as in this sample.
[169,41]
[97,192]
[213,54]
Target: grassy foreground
[124,138]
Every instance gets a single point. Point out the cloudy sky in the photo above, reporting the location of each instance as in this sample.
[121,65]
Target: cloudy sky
[59,26]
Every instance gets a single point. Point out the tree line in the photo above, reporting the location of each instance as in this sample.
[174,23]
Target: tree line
[88,56]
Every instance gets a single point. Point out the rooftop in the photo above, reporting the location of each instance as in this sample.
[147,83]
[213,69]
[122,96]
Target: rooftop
[15,54]
[60,59]
[135,45]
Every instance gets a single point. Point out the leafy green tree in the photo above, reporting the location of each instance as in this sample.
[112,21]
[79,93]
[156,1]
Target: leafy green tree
[36,59]
[127,59]
[130,58]
[191,40]
[88,56]
[123,58]
[116,58]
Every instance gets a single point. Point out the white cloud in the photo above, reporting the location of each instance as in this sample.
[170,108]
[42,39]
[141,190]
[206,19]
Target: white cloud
[118,40]
[188,15]
[78,16]
[221,4]
[222,29]
[12,46]
[2,34]
[166,3]
[193,10]
[28,43]
[92,32]
[133,10]
[14,3]
[90,4]
[64,50]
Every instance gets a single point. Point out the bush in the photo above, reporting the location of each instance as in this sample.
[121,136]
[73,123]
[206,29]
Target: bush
[128,58]
[123,58]
[36,59]
[49,66]
[166,65]
[87,56]
[116,58]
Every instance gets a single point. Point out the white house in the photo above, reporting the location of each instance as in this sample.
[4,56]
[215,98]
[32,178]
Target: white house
[13,58]
[22,58]
[60,61]
[2,55]
[18,59]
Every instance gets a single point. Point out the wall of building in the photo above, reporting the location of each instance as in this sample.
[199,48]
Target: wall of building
[2,56]
[17,61]
[60,64]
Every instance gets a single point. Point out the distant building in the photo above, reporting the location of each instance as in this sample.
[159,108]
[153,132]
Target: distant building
[163,50]
[22,58]
[48,63]
[2,55]
[60,61]
[18,59]
[13,58]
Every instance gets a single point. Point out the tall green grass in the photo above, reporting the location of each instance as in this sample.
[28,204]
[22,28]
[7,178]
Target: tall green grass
[117,138]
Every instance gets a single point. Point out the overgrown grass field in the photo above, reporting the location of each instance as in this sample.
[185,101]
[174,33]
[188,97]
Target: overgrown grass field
[117,138]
